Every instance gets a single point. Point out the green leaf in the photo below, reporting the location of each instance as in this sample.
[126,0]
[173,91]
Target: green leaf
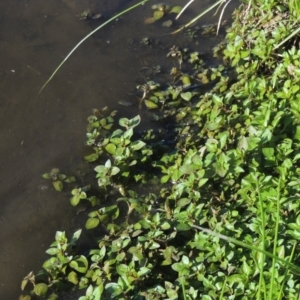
[186,96]
[111,148]
[183,202]
[165,226]
[137,145]
[75,200]
[89,290]
[165,179]
[72,277]
[76,235]
[70,179]
[176,9]
[246,268]
[177,267]
[185,260]
[52,297]
[102,170]
[136,253]
[47,176]
[143,271]
[92,157]
[158,14]
[122,269]
[124,122]
[108,164]
[40,289]
[167,23]
[297,133]
[80,264]
[52,251]
[114,171]
[114,289]
[268,153]
[98,290]
[24,297]
[150,104]
[183,227]
[135,121]
[58,185]
[202,181]
[92,223]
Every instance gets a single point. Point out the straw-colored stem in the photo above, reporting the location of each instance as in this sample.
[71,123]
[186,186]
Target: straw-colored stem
[199,16]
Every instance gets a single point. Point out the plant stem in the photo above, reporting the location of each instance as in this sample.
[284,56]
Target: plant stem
[263,221]
[90,34]
[248,246]
[275,238]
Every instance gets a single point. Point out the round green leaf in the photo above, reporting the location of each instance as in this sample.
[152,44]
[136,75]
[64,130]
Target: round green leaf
[72,277]
[91,223]
[158,14]
[186,96]
[111,148]
[40,289]
[176,9]
[167,23]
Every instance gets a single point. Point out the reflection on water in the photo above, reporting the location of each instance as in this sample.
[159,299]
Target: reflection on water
[39,133]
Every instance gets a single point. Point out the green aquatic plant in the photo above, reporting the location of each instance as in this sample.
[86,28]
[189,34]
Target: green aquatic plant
[58,178]
[204,205]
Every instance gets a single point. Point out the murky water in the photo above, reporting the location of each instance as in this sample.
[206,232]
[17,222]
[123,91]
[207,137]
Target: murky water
[39,133]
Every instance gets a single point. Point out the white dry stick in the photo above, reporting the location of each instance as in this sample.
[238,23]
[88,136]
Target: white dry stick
[221,15]
[184,8]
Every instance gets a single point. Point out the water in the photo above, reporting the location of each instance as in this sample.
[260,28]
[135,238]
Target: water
[39,133]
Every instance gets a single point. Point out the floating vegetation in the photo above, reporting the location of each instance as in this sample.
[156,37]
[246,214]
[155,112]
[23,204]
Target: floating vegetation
[160,11]
[58,178]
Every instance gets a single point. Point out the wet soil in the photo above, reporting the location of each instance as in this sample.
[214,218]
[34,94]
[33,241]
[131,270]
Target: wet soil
[41,132]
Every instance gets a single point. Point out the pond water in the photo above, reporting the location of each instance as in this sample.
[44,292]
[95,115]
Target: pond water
[46,131]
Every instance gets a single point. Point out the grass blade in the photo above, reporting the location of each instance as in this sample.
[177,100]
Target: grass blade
[199,16]
[293,267]
[90,34]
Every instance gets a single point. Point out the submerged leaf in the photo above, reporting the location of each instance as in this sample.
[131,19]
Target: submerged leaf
[176,9]
[149,20]
[167,23]
[125,103]
[158,14]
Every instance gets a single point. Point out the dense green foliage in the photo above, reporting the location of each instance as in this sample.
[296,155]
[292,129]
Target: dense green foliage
[207,206]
